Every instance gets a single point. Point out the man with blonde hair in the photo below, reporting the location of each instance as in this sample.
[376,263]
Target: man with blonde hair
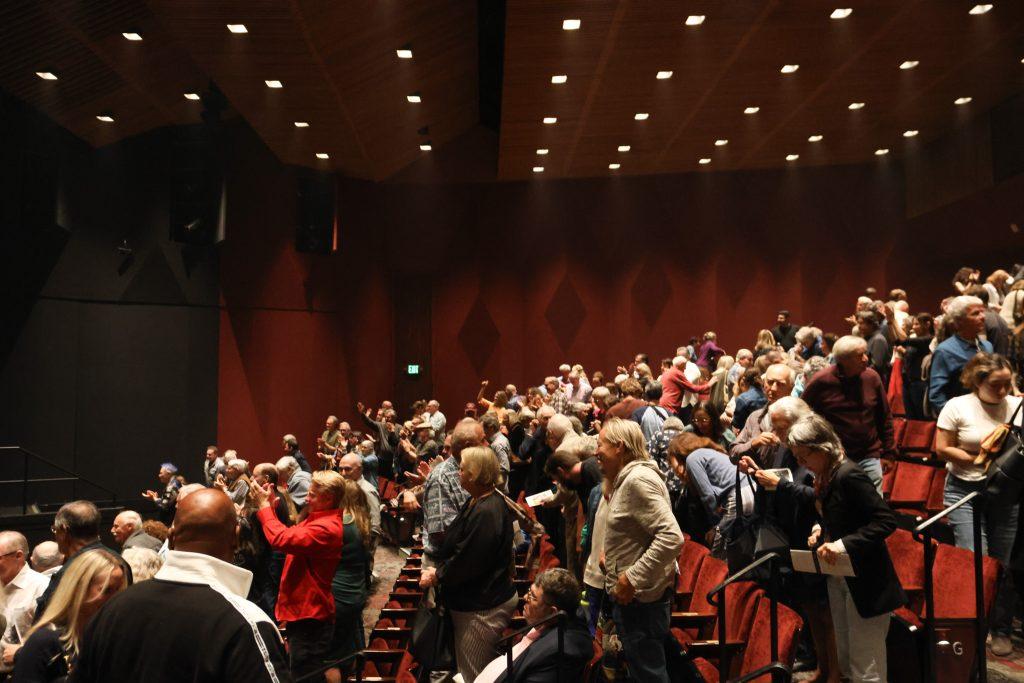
[642,541]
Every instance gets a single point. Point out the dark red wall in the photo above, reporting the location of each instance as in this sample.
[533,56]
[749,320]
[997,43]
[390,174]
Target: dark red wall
[520,277]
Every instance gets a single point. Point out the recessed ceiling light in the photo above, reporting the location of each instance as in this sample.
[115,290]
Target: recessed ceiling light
[426,147]
[841,12]
[641,116]
[662,75]
[542,151]
[789,68]
[550,119]
[704,161]
[191,96]
[909,64]
[132,36]
[414,97]
[302,124]
[909,133]
[881,151]
[570,24]
[237,28]
[721,142]
[856,105]
[105,118]
[560,78]
[614,167]
[695,20]
[815,138]
[274,84]
[624,148]
[404,52]
[538,169]
[751,110]
[323,155]
[962,100]
[792,157]
[980,9]
[47,75]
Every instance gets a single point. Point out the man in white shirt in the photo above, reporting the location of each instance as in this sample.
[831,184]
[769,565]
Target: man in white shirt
[22,586]
[438,422]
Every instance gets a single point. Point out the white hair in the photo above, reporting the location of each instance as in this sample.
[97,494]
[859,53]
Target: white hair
[13,540]
[145,563]
[287,464]
[806,335]
[230,454]
[847,346]
[744,353]
[46,555]
[564,367]
[239,464]
[789,407]
[188,489]
[619,379]
[131,517]
[679,361]
[290,439]
[790,370]
[559,426]
[959,306]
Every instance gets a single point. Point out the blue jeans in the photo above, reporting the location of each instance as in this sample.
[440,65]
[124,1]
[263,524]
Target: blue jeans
[595,598]
[998,532]
[642,628]
[873,468]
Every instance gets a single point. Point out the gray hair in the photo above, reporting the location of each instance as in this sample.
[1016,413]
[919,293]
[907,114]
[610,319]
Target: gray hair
[287,464]
[145,563]
[581,446]
[80,519]
[790,370]
[672,423]
[806,335]
[814,432]
[847,346]
[46,555]
[290,440]
[560,588]
[813,366]
[547,410]
[679,361]
[239,464]
[131,517]
[958,307]
[11,541]
[744,353]
[188,489]
[789,407]
[558,426]
[600,396]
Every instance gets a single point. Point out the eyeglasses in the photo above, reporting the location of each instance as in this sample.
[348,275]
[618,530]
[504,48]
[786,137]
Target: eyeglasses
[533,597]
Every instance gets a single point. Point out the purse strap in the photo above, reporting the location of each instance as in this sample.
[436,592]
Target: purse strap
[1013,417]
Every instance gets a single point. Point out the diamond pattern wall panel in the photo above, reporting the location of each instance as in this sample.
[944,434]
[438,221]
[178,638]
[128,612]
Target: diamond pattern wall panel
[565,313]
[479,335]
[651,291]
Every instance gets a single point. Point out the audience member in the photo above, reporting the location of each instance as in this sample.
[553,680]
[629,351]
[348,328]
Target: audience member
[784,332]
[878,349]
[749,400]
[21,587]
[705,422]
[967,315]
[295,479]
[331,441]
[371,463]
[442,493]
[351,467]
[145,563]
[678,388]
[47,558]
[757,437]
[350,585]
[128,531]
[167,499]
[213,465]
[207,631]
[290,446]
[235,482]
[651,416]
[499,443]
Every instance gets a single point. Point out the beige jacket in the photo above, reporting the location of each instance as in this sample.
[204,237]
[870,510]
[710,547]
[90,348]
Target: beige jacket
[642,537]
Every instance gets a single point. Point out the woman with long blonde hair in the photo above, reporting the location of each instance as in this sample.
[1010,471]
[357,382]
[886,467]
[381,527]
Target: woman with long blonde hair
[51,646]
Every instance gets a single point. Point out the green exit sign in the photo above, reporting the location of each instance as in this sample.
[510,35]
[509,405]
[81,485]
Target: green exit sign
[412,369]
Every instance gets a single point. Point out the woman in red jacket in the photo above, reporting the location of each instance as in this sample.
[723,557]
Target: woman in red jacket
[313,546]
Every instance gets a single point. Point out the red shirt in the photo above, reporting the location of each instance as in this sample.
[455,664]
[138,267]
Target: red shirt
[314,549]
[673,385]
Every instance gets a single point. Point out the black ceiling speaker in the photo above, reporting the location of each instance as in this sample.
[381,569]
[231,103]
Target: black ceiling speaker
[197,176]
[314,232]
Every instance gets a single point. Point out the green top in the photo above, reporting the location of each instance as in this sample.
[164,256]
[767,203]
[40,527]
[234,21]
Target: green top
[349,582]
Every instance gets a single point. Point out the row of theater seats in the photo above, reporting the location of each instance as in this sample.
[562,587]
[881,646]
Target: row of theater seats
[914,485]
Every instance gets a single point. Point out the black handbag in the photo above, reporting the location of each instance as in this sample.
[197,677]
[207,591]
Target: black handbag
[432,643]
[1004,479]
[752,536]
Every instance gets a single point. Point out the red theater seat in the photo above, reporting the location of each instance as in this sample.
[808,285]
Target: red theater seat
[918,439]
[912,486]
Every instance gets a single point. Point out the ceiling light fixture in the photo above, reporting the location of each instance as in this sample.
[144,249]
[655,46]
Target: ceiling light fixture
[641,116]
[542,151]
[815,138]
[792,157]
[538,169]
[962,100]
[841,12]
[662,75]
[856,105]
[550,119]
[414,97]
[47,75]
[909,64]
[302,124]
[704,161]
[192,96]
[274,84]
[323,155]
[624,148]
[980,9]
[426,146]
[132,36]
[695,20]
[404,52]
[237,28]
[571,24]
[721,142]
[881,151]
[559,79]
[614,167]
[105,118]
[789,68]
[910,133]
[751,110]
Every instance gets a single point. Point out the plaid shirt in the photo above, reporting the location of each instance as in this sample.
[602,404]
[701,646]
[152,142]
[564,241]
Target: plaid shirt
[658,448]
[560,402]
[443,497]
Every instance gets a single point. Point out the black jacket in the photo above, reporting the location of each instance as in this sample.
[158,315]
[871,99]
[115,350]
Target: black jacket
[540,662]
[852,511]
[475,562]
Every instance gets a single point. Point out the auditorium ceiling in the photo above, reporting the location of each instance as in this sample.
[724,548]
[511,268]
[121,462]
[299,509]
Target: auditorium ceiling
[643,87]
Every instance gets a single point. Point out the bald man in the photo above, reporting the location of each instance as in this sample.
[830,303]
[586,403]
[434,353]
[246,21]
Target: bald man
[198,596]
[351,467]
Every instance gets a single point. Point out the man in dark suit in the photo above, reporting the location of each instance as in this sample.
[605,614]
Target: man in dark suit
[536,658]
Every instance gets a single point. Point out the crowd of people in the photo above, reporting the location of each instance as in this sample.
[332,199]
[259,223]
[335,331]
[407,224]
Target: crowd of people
[619,470]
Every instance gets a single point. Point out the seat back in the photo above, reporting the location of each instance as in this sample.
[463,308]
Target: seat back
[691,556]
[912,485]
[888,478]
[712,572]
[741,602]
[936,496]
[907,558]
[953,573]
[759,645]
[918,438]
[899,426]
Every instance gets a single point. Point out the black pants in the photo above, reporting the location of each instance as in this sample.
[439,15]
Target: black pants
[309,643]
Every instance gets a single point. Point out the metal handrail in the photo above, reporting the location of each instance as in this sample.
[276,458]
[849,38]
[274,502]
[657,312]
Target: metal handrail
[25,481]
[757,673]
[936,517]
[336,664]
[741,573]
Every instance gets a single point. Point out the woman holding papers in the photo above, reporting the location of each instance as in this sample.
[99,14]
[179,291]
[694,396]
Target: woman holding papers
[855,522]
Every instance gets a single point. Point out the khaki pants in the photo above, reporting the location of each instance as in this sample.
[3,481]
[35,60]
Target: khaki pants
[476,634]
